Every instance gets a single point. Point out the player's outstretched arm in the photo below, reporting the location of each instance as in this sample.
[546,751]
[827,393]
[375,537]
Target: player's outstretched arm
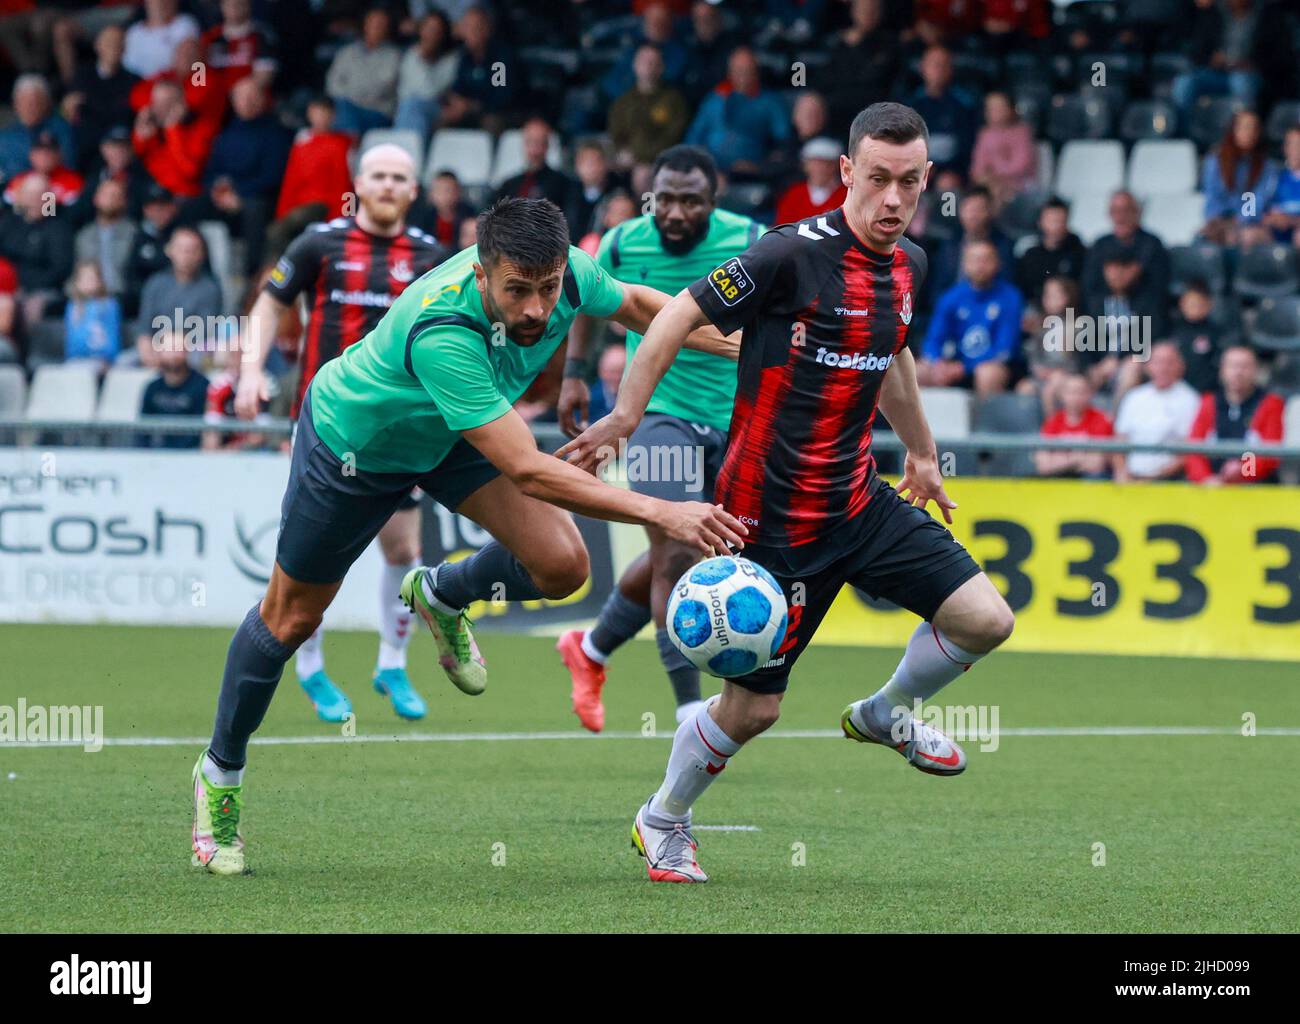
[642,304]
[663,340]
[508,444]
[900,401]
[263,319]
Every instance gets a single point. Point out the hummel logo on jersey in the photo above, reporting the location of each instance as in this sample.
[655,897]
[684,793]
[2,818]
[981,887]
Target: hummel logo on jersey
[731,281]
[822,226]
[844,311]
[854,360]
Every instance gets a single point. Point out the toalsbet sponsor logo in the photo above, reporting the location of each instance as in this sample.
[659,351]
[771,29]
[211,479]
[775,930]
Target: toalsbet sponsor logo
[861,361]
[132,978]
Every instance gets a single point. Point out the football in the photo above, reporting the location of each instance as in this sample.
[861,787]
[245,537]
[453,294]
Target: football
[727,616]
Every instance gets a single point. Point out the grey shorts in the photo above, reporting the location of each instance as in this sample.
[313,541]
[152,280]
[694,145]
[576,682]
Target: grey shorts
[673,459]
[328,517]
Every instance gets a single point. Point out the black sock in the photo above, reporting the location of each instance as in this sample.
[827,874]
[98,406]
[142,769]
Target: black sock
[684,676]
[619,621]
[254,663]
[491,573]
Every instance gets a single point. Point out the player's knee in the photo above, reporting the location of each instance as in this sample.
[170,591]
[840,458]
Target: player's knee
[401,553]
[996,625]
[290,625]
[563,572]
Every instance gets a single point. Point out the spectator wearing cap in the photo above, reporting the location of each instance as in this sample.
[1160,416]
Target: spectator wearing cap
[1237,410]
[1238,179]
[1283,215]
[109,239]
[1057,251]
[100,95]
[159,213]
[1159,411]
[740,123]
[172,143]
[487,82]
[244,171]
[362,78]
[949,117]
[238,46]
[46,160]
[1140,250]
[821,189]
[650,116]
[974,335]
[39,245]
[427,70]
[1005,160]
[151,41]
[538,180]
[1077,418]
[171,296]
[34,114]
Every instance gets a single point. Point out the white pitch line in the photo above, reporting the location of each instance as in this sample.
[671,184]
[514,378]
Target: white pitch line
[519,737]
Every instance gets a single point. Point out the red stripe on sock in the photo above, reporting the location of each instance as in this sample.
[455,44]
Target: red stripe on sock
[716,751]
[965,665]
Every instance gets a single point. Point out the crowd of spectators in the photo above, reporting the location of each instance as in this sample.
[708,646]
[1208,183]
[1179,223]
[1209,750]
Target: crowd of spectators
[134,125]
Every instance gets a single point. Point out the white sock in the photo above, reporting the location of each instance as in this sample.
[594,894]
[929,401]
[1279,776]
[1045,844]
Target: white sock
[591,650]
[218,776]
[930,663]
[394,617]
[311,656]
[685,711]
[700,751]
[432,598]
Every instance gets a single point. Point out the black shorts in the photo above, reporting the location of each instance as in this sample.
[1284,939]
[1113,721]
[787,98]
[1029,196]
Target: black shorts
[674,459]
[900,554]
[329,515]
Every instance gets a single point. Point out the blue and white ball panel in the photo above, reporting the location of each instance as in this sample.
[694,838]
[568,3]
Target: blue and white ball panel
[780,634]
[713,570]
[748,610]
[691,622]
[733,662]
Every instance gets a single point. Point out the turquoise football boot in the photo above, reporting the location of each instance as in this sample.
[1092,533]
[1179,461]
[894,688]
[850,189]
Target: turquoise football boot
[395,684]
[331,703]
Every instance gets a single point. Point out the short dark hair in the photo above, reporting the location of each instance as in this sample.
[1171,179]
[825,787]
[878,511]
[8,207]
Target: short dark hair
[685,159]
[888,122]
[1055,203]
[980,191]
[1200,286]
[530,233]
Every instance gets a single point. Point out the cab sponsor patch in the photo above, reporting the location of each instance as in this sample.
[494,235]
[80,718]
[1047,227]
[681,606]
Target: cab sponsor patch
[731,281]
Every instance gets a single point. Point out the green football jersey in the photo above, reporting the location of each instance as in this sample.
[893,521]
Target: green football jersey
[397,400]
[698,387]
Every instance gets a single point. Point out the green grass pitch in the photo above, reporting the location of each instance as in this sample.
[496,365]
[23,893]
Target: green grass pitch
[1198,830]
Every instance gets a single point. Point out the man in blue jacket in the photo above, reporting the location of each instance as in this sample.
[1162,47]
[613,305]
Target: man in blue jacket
[740,123]
[974,334]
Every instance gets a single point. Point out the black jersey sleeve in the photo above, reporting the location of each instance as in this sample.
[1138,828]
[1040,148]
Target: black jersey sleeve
[758,280]
[299,267]
[916,255]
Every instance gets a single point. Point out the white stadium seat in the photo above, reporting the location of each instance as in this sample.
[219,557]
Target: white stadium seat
[406,138]
[1291,436]
[1174,218]
[13,392]
[1089,217]
[119,401]
[466,152]
[510,155]
[63,391]
[948,411]
[1158,166]
[1089,165]
[1046,166]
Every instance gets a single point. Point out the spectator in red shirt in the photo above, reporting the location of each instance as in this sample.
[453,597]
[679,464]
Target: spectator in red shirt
[445,210]
[1077,418]
[46,160]
[172,143]
[205,88]
[317,179]
[9,351]
[1238,410]
[821,190]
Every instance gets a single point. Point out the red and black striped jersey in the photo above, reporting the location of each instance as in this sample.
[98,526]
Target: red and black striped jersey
[823,316]
[351,277]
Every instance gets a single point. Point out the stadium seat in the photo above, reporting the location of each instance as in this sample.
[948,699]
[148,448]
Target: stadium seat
[1089,217]
[1209,119]
[1284,115]
[1008,414]
[1277,323]
[1200,261]
[119,400]
[948,411]
[1089,166]
[1031,99]
[1148,119]
[60,392]
[1078,117]
[13,392]
[1291,435]
[1165,67]
[1019,218]
[1265,270]
[408,139]
[44,343]
[1162,165]
[1046,166]
[1155,13]
[466,152]
[1174,217]
[510,155]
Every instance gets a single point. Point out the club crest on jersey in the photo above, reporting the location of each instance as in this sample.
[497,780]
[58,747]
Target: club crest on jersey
[731,281]
[401,272]
[905,314]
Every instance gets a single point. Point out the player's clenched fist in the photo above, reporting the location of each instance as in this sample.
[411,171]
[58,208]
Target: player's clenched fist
[709,529]
[250,393]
